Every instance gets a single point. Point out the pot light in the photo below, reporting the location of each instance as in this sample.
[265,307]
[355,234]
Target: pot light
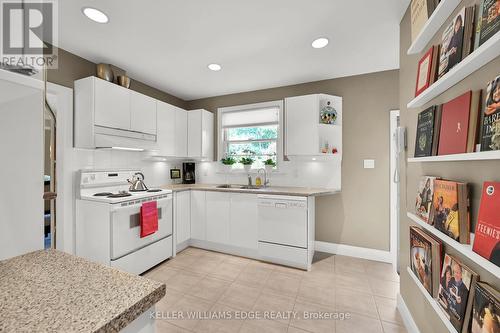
[320,43]
[95,15]
[214,67]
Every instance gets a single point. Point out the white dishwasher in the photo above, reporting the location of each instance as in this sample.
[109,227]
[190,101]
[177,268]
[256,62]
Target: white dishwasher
[283,220]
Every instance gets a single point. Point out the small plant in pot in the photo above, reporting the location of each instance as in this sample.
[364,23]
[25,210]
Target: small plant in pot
[269,165]
[228,162]
[247,163]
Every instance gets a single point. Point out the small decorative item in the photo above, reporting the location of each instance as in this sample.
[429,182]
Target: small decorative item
[247,163]
[325,148]
[269,165]
[124,81]
[228,162]
[328,115]
[334,151]
[105,72]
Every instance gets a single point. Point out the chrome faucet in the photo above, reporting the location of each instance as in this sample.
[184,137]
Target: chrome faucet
[249,180]
[266,180]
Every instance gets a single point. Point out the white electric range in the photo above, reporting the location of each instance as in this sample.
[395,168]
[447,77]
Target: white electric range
[108,222]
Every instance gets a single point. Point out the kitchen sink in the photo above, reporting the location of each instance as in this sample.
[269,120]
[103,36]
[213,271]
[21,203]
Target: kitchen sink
[241,187]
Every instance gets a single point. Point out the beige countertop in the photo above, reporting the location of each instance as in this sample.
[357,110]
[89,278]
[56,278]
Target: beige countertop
[277,190]
[52,291]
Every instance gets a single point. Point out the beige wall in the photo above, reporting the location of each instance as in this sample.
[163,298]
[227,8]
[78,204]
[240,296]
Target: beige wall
[72,67]
[474,172]
[359,216]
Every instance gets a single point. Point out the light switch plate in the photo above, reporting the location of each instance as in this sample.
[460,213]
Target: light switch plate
[369,164]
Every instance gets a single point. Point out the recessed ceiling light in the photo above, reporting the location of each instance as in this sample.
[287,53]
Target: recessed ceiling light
[95,15]
[214,67]
[320,43]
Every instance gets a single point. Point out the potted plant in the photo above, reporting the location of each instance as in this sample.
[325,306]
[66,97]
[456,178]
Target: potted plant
[247,163]
[228,162]
[269,164]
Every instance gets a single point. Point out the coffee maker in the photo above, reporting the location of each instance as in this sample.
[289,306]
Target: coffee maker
[188,173]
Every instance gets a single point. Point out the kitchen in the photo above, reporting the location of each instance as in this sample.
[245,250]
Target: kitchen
[192,166]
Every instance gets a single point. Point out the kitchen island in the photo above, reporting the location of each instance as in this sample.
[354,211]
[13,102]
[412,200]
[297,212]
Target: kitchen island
[52,291]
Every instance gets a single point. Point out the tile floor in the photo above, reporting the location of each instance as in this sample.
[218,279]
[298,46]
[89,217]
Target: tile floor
[216,284]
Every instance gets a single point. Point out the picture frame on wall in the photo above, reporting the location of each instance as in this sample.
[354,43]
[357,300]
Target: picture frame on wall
[426,68]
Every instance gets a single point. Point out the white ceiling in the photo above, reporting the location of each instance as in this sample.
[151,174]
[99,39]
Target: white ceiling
[259,43]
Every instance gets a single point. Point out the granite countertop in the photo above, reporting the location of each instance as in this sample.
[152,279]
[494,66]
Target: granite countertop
[52,291]
[276,190]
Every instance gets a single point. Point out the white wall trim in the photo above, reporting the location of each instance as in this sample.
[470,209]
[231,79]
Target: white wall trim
[408,321]
[353,251]
[394,188]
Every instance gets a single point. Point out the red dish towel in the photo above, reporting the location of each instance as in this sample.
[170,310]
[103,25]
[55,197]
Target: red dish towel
[149,218]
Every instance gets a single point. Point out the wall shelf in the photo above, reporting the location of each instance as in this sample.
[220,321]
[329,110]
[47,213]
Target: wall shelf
[432,302]
[477,59]
[436,21]
[464,249]
[478,156]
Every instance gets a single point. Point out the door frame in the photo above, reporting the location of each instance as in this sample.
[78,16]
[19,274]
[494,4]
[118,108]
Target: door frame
[394,190]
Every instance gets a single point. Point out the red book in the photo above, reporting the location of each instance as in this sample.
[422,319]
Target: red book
[487,236]
[455,125]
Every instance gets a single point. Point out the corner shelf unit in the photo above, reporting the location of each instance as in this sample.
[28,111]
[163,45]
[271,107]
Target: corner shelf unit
[435,21]
[464,249]
[477,156]
[433,302]
[477,59]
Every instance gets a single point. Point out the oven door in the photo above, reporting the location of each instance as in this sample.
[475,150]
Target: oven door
[126,229]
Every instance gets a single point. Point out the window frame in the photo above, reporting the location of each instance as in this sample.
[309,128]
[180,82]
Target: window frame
[222,144]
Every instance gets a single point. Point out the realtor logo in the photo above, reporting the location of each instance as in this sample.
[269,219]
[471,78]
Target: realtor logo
[29,32]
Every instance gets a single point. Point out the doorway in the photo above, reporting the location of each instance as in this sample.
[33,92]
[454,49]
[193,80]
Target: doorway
[397,135]
[49,178]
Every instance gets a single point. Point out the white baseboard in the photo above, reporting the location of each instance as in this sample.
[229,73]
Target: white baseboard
[408,321]
[353,251]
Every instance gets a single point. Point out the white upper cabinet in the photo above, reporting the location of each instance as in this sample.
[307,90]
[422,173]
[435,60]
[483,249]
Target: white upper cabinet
[306,134]
[181,135]
[166,129]
[111,103]
[142,113]
[200,134]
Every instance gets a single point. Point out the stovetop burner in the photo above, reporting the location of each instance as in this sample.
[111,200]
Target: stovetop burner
[103,194]
[119,195]
[155,190]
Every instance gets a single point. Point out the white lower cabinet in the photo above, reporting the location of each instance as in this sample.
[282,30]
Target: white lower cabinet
[217,214]
[198,215]
[182,202]
[243,226]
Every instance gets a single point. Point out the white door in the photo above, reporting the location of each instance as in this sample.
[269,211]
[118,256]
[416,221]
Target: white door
[142,113]
[181,128]
[194,133]
[198,215]
[165,136]
[183,216]
[218,204]
[243,226]
[112,105]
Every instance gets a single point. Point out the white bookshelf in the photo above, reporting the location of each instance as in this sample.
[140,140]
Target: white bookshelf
[432,302]
[477,156]
[464,249]
[437,19]
[477,59]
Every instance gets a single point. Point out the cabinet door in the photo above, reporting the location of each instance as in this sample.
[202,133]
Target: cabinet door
[194,133]
[111,105]
[165,136]
[183,216]
[302,117]
[198,215]
[180,132]
[142,113]
[218,204]
[243,226]
[207,136]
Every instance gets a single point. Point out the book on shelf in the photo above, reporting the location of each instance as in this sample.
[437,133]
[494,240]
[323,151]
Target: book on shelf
[487,235]
[455,125]
[424,142]
[488,21]
[485,309]
[469,31]
[423,202]
[420,11]
[425,259]
[450,209]
[452,41]
[456,291]
[426,72]
[474,121]
[490,131]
